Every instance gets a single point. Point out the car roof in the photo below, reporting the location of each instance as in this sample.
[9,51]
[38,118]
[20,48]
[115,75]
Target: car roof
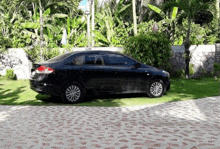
[94,51]
[100,51]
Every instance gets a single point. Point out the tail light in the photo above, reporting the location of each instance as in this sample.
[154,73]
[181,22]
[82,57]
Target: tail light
[44,70]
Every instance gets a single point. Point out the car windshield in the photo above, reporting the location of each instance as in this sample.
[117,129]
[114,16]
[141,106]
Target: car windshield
[59,58]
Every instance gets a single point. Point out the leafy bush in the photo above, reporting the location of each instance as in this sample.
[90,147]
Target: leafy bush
[1,77]
[216,69]
[180,73]
[34,54]
[150,48]
[203,71]
[205,34]
[191,69]
[50,53]
[10,74]
[199,35]
[4,43]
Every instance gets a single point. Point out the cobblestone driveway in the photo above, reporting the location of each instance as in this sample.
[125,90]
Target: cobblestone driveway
[184,124]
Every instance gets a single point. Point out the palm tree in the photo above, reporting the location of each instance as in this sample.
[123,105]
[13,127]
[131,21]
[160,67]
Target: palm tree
[190,7]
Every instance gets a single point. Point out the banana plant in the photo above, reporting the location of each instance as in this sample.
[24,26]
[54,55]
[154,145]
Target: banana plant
[169,21]
[106,34]
[76,31]
[50,28]
[162,14]
[111,29]
[11,29]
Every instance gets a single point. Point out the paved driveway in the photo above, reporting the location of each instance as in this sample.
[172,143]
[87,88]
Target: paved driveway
[184,124]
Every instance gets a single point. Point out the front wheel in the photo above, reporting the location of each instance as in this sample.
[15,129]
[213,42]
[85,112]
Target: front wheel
[73,93]
[155,88]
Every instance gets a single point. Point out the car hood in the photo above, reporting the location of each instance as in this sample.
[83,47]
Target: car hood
[150,68]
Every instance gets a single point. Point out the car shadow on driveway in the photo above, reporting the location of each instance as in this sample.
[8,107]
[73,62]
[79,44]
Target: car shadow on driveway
[92,100]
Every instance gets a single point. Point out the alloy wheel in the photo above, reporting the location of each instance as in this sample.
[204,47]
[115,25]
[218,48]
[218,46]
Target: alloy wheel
[156,89]
[73,93]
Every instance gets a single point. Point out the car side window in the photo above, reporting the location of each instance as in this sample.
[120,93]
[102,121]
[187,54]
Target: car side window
[94,59]
[115,59]
[80,60]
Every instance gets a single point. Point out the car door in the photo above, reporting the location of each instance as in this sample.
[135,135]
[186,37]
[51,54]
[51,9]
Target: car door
[95,75]
[129,78]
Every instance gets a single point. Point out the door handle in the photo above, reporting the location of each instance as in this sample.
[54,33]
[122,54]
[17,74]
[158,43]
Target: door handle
[147,73]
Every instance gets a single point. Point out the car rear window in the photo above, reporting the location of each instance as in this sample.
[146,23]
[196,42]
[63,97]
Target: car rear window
[59,58]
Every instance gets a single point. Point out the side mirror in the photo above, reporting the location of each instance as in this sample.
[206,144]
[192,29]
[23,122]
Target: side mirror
[137,65]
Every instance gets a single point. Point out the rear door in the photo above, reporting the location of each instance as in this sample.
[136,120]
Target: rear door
[95,74]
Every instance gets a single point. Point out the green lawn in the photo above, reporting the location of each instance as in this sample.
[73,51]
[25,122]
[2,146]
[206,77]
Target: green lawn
[19,93]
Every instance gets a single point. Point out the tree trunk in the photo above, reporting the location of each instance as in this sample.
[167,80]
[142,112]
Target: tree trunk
[134,17]
[187,52]
[139,10]
[217,9]
[142,9]
[217,15]
[93,23]
[41,31]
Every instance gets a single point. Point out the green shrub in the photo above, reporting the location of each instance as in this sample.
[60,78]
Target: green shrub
[180,73]
[149,48]
[1,77]
[191,69]
[33,54]
[203,71]
[50,53]
[4,43]
[216,69]
[10,74]
[47,53]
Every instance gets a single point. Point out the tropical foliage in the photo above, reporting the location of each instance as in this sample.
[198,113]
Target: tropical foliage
[38,25]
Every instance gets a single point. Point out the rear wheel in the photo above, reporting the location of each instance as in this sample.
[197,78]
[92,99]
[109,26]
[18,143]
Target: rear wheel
[73,93]
[155,88]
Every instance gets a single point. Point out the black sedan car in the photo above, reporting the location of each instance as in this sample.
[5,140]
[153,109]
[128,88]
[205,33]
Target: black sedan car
[73,75]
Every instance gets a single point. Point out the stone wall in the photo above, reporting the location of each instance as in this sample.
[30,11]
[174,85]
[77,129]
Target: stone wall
[202,57]
[217,53]
[177,60]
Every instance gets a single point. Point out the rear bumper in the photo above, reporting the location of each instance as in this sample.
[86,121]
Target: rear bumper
[45,88]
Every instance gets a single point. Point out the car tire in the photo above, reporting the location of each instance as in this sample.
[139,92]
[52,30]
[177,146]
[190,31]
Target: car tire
[155,88]
[73,93]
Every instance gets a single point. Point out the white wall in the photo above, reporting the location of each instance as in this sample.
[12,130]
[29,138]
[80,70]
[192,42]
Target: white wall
[22,69]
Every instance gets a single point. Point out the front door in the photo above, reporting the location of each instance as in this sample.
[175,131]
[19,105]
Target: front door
[129,79]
